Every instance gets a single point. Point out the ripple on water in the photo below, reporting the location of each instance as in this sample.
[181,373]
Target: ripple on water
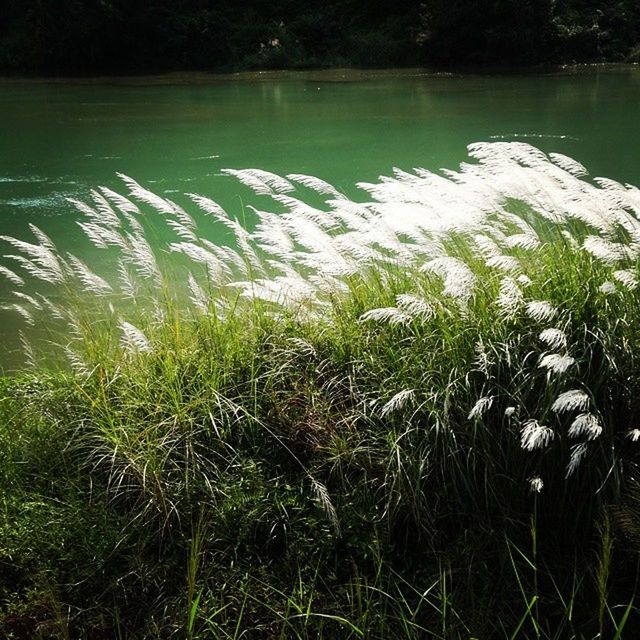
[43,203]
[552,136]
[15,179]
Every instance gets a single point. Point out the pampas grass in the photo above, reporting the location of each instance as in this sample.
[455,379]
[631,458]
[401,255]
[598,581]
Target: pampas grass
[406,381]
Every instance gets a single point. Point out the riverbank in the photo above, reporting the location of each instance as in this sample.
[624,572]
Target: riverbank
[321,75]
[414,415]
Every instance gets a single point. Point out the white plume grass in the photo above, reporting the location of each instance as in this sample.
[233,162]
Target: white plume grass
[481,406]
[535,436]
[468,249]
[587,425]
[554,338]
[578,452]
[540,310]
[556,363]
[133,339]
[92,282]
[574,400]
[398,401]
[388,315]
[12,276]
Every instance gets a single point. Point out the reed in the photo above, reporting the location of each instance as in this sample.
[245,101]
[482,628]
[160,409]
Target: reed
[365,406]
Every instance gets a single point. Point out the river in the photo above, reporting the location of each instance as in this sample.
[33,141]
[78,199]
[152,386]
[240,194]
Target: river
[175,134]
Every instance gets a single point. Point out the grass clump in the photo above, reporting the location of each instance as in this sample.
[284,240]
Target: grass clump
[411,417]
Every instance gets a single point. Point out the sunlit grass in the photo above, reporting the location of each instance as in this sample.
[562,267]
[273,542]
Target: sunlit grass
[411,417]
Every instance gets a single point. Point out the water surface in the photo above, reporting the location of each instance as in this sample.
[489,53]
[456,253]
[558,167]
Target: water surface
[174,134]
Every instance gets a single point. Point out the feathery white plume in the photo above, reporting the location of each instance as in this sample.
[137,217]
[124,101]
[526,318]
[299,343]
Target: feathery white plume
[523,241]
[634,435]
[123,204]
[390,315]
[398,401]
[556,363]
[148,197]
[414,306]
[540,310]
[535,436]
[133,340]
[536,484]
[568,164]
[554,338]
[11,276]
[198,296]
[585,424]
[578,451]
[316,184]
[480,407]
[509,264]
[322,496]
[605,250]
[627,277]
[210,207]
[574,400]
[92,282]
[458,278]
[607,288]
[524,280]
[510,297]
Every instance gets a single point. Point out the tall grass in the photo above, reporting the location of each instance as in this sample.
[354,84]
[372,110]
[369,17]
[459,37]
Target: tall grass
[414,416]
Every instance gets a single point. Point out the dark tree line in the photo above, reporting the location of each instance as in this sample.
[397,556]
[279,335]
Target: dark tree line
[98,36]
[530,31]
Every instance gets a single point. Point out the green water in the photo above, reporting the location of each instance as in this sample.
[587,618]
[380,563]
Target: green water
[175,134]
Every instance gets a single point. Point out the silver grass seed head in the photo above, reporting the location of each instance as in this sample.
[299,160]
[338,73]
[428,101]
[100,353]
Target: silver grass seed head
[578,452]
[389,315]
[568,164]
[525,241]
[554,338]
[22,311]
[316,184]
[556,363]
[92,282]
[535,436]
[508,264]
[133,339]
[605,250]
[540,310]
[510,297]
[198,296]
[12,276]
[123,204]
[524,280]
[536,484]
[29,299]
[573,400]
[634,435]
[607,287]
[481,407]
[459,279]
[587,425]
[414,306]
[627,277]
[397,402]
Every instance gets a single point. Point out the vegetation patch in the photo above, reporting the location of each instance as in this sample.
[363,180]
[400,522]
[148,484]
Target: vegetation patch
[413,416]
[143,36]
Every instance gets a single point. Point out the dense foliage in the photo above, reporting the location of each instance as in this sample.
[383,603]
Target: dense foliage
[91,36]
[411,417]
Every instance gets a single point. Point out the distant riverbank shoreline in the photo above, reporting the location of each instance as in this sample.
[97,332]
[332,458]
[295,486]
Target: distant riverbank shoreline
[346,74]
